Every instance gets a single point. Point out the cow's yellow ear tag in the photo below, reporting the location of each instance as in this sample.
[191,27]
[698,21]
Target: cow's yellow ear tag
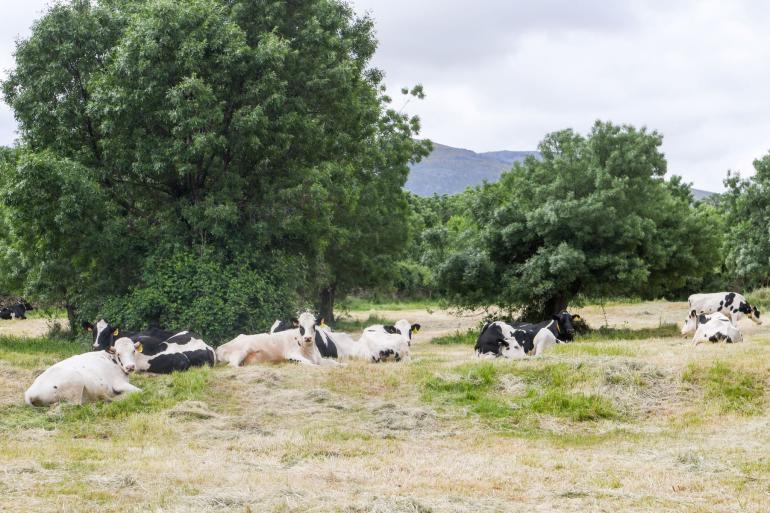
[115,333]
[417,330]
[323,323]
[139,348]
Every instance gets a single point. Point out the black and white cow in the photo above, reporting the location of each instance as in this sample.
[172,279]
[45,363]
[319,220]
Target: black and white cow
[325,345]
[499,339]
[162,351]
[402,327]
[560,325]
[711,328]
[16,311]
[730,304]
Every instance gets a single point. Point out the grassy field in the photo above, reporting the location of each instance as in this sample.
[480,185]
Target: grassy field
[632,418]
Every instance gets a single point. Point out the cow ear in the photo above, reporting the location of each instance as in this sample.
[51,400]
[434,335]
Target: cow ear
[138,346]
[416,328]
[576,317]
[88,326]
[116,332]
[322,323]
[555,317]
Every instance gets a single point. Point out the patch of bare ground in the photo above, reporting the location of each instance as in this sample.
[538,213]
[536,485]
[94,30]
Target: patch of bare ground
[364,438]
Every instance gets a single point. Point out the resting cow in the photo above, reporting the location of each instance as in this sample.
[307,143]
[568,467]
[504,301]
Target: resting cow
[499,339]
[16,311]
[401,327]
[164,352]
[295,345]
[730,304]
[92,376]
[712,328]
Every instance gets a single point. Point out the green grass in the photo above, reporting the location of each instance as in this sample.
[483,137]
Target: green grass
[468,338]
[548,389]
[158,392]
[32,353]
[360,304]
[348,324]
[593,349]
[605,333]
[47,313]
[730,390]
[761,299]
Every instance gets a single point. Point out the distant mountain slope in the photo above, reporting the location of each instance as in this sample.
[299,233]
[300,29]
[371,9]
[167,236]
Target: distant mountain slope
[451,170]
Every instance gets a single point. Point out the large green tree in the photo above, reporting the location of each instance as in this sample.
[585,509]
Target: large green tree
[593,215]
[251,133]
[747,214]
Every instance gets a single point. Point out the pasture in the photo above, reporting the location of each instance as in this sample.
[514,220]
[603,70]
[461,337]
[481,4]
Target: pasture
[628,419]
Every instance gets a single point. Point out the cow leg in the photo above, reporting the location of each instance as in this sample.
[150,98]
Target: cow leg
[328,362]
[125,388]
[299,358]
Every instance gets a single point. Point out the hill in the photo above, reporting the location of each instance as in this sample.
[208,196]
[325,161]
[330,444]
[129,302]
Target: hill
[451,170]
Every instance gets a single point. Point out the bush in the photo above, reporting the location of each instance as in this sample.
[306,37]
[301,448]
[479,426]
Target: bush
[201,291]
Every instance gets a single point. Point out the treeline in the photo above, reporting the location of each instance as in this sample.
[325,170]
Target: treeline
[594,217]
[218,164]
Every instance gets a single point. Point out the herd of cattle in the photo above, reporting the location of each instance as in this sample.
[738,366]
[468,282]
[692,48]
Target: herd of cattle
[103,373]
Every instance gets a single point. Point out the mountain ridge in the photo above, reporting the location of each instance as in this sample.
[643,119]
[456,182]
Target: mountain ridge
[450,170]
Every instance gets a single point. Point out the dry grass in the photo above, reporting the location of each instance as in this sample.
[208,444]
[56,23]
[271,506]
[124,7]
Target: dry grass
[676,429]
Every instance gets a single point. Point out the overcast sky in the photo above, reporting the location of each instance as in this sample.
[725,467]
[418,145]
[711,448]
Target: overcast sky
[501,74]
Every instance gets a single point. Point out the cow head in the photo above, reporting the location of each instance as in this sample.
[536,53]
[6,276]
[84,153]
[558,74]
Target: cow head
[749,311]
[564,322]
[104,334]
[406,329]
[124,350]
[690,324]
[307,328]
[26,305]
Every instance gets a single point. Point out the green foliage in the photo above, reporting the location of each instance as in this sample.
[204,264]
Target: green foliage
[747,212]
[731,390]
[593,216]
[201,291]
[153,129]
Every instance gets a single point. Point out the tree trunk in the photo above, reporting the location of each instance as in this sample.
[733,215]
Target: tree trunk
[555,305]
[71,319]
[326,306]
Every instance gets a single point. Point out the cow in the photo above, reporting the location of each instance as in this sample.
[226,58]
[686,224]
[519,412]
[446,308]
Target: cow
[730,304]
[295,345]
[164,352]
[500,340]
[560,325]
[16,311]
[284,326]
[713,328]
[402,327]
[92,376]
[373,347]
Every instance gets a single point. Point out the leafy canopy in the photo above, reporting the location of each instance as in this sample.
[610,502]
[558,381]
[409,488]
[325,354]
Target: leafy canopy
[255,131]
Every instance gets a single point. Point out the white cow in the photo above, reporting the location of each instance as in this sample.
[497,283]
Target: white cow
[383,346]
[402,327]
[92,376]
[713,328]
[295,345]
[730,304]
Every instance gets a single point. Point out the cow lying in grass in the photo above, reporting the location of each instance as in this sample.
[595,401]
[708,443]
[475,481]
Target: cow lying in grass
[294,345]
[93,376]
[499,339]
[711,328]
[377,344]
[730,304]
[164,351]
